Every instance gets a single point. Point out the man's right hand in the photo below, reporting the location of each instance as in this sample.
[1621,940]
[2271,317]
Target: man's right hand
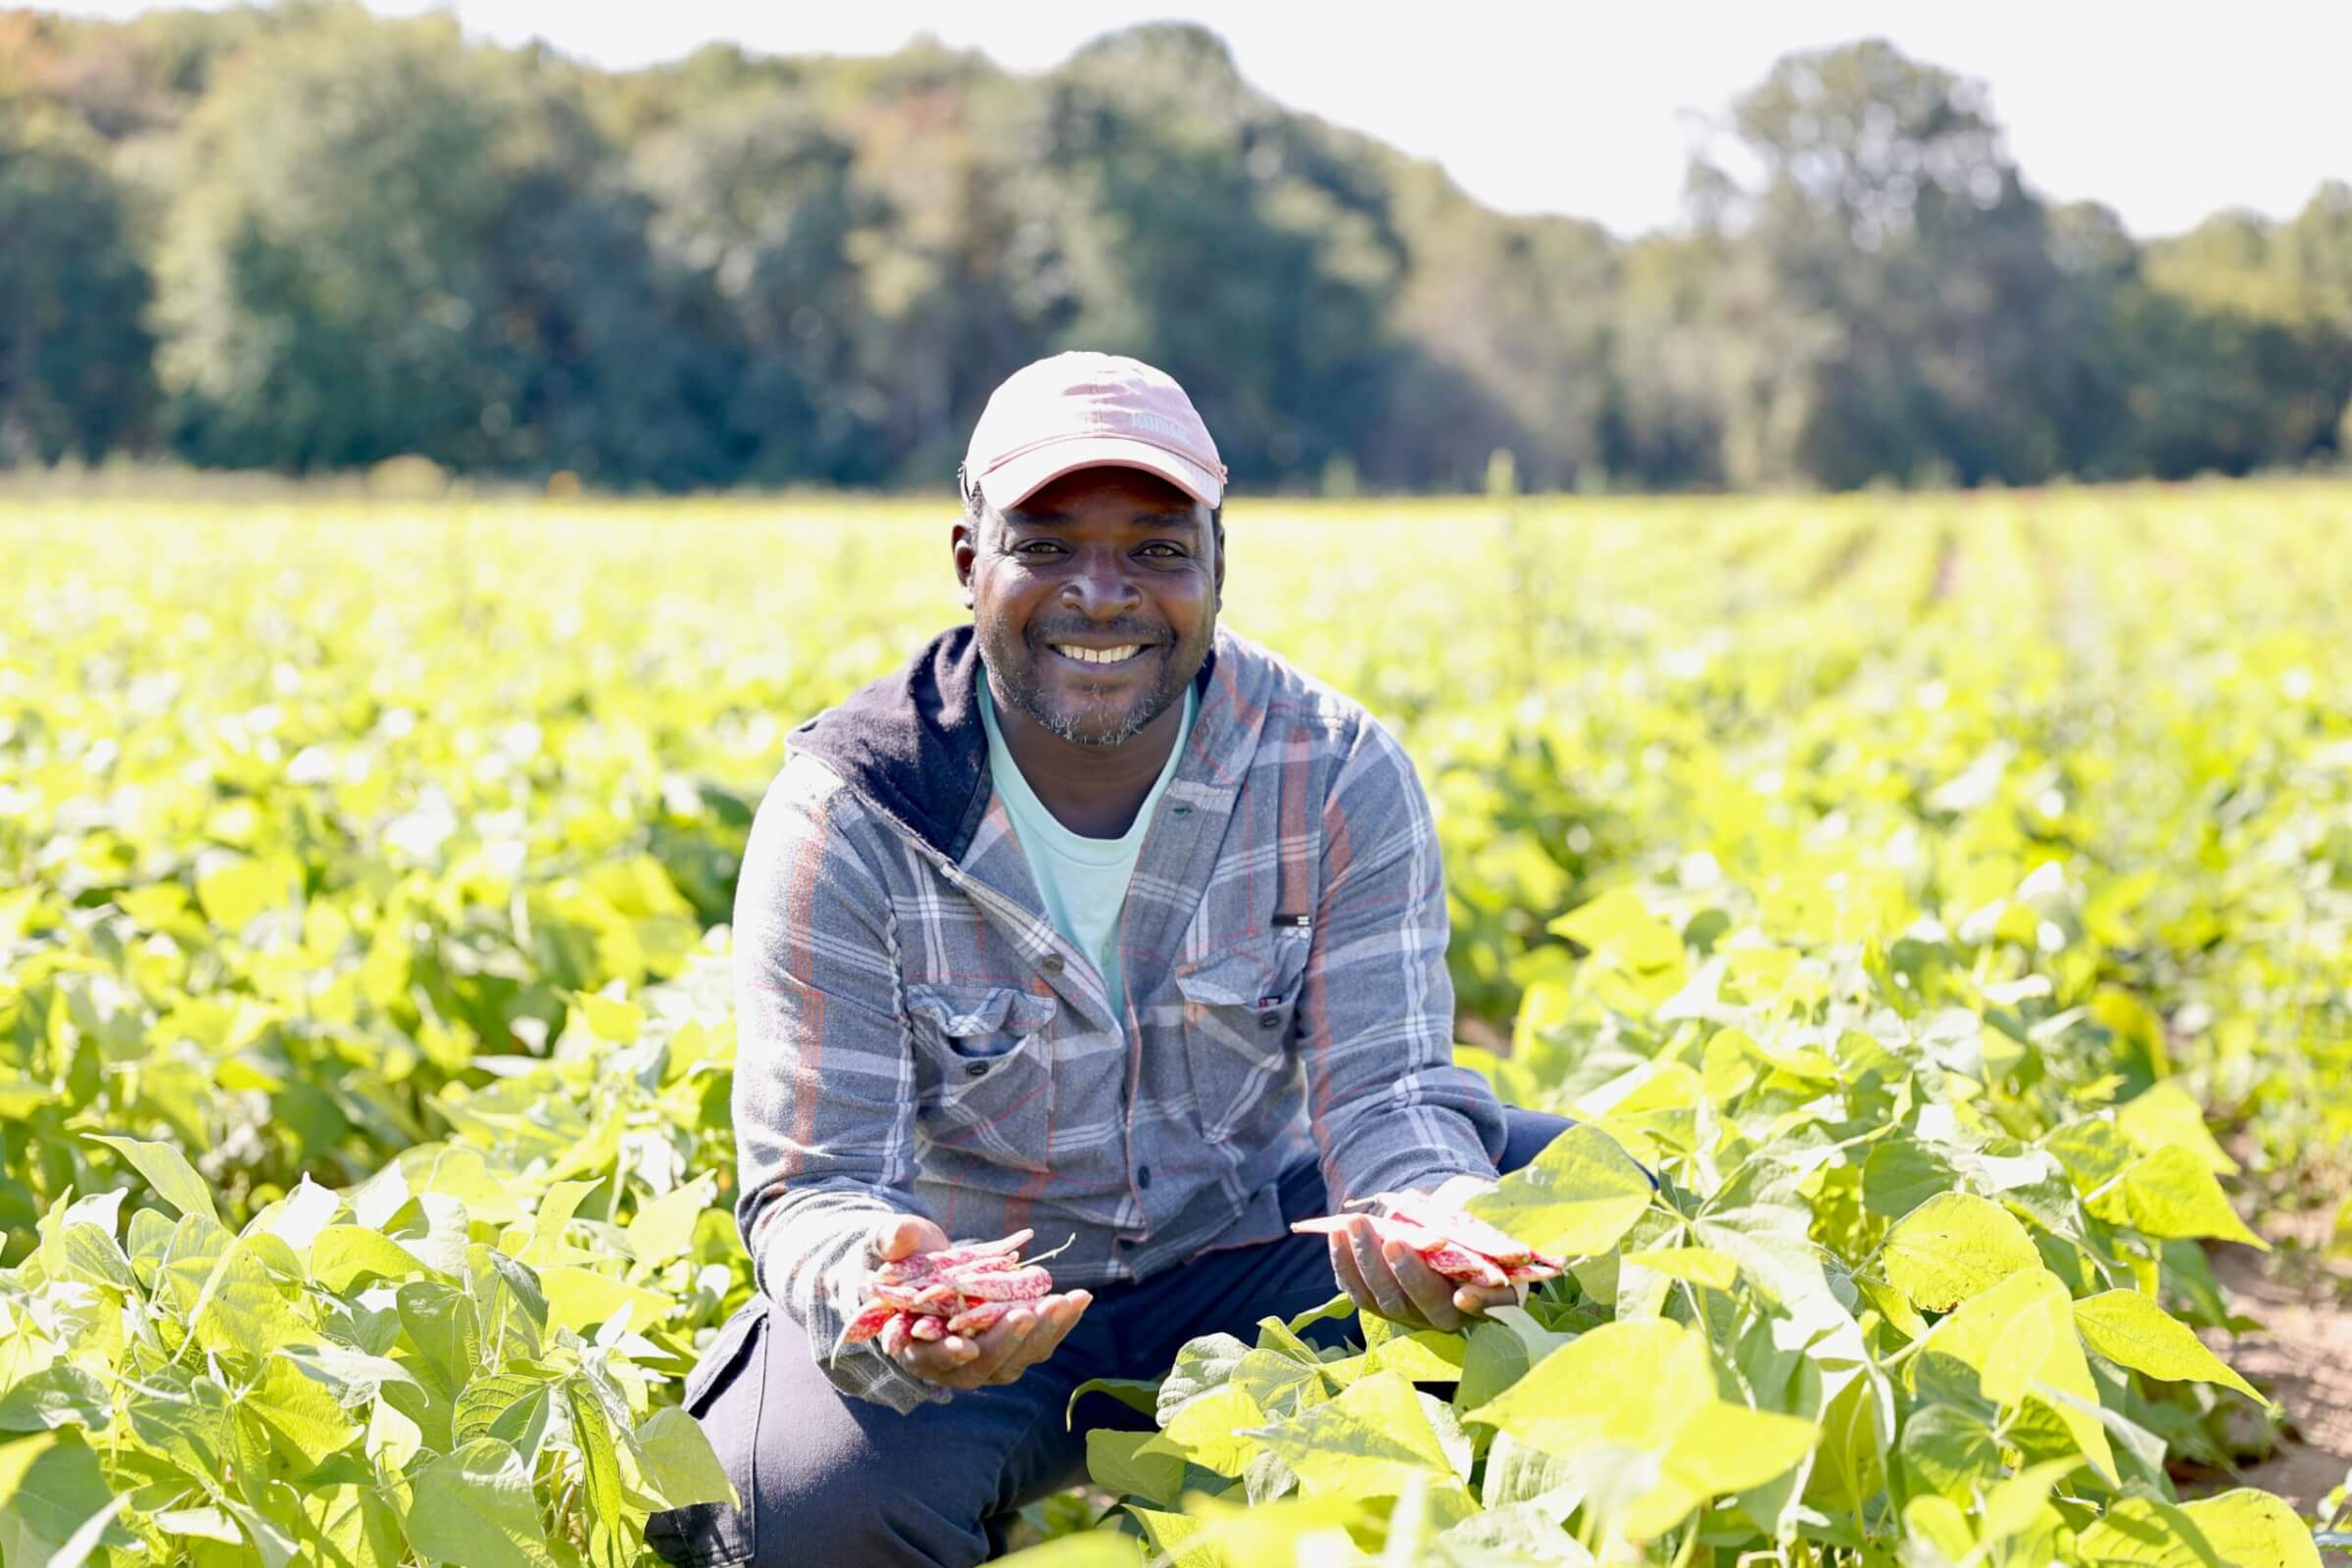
[1022,1338]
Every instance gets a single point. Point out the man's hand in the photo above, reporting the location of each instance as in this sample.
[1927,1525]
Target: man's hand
[1022,1338]
[1394,1282]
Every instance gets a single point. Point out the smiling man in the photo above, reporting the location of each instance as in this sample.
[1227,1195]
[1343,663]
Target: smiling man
[1095,919]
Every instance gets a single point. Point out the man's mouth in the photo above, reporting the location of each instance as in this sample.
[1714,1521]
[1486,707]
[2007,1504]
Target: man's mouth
[1122,654]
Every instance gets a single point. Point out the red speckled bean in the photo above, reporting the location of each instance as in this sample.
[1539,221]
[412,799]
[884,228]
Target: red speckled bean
[927,1327]
[981,1318]
[1019,1285]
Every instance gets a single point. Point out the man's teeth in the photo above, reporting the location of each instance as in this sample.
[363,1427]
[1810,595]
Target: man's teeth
[1099,656]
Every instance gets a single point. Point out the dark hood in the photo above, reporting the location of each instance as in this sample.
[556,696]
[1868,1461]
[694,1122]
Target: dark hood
[912,742]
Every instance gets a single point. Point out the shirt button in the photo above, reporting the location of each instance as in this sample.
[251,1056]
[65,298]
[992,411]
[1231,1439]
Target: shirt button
[1267,1020]
[1051,963]
[975,1069]
[1143,1175]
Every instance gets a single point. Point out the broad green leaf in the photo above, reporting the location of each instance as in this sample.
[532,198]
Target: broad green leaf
[600,1475]
[1516,1534]
[1137,1394]
[55,1504]
[2171,1195]
[579,1298]
[1363,1443]
[2019,1337]
[243,1310]
[665,1227]
[1901,1173]
[1618,924]
[168,1171]
[1201,1364]
[298,1217]
[2166,1116]
[342,1253]
[353,1377]
[1632,1384]
[302,1416]
[1731,1448]
[1577,1198]
[2239,1529]
[1092,1548]
[1280,1385]
[2129,1329]
[1701,1265]
[473,1508]
[620,1022]
[1137,1464]
[239,890]
[680,1466]
[491,1394]
[57,1395]
[1211,1429]
[1428,1357]
[1952,1246]
[351,1524]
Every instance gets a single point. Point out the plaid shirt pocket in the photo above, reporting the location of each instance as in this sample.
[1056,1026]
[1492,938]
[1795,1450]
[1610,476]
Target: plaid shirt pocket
[984,1069]
[1241,1011]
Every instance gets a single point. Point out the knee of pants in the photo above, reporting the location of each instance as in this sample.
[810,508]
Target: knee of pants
[812,1504]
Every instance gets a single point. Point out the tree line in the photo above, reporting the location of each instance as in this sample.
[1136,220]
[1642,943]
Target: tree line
[309,239]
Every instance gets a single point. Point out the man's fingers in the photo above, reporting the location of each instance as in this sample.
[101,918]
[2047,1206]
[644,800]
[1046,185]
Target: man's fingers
[1015,1343]
[1432,1293]
[1388,1297]
[1350,1278]
[908,1235]
[1474,1300]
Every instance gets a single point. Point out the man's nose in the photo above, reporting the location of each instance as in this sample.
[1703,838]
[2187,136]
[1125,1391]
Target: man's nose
[1102,585]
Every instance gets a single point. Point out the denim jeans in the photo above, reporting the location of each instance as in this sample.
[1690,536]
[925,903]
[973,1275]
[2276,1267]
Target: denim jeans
[828,1479]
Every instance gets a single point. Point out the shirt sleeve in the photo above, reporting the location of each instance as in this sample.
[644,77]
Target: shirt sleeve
[1387,1107]
[824,1096]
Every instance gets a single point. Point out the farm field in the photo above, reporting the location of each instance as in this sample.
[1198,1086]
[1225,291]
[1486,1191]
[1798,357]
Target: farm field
[1949,895]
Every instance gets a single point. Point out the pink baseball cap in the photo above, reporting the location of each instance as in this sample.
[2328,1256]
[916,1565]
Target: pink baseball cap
[1083,409]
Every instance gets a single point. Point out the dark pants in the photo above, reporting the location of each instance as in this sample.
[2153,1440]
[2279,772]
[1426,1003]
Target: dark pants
[827,1478]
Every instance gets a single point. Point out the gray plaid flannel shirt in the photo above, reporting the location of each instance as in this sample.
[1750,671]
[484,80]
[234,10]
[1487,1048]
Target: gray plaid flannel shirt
[915,1038]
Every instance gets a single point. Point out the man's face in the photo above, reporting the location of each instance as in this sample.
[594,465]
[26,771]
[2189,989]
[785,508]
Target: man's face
[1099,561]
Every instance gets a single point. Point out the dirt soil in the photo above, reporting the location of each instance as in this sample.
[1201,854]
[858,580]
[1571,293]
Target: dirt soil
[2302,1358]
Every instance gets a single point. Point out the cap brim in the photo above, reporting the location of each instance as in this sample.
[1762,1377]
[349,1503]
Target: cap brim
[1016,479]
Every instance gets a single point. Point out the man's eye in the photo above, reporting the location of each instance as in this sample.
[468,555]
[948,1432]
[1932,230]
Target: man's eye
[1166,551]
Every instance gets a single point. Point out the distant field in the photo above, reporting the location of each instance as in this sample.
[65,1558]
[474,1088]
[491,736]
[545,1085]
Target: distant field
[383,845]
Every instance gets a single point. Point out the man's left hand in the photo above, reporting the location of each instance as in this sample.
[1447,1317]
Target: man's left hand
[1394,1282]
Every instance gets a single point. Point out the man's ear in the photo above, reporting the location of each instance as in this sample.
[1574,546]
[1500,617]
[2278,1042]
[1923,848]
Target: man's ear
[1218,535]
[965,543]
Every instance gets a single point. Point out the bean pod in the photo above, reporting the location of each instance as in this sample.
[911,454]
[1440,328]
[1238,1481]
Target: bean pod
[964,1289]
[1458,1246]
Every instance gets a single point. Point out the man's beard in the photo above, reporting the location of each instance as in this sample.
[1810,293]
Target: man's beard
[1014,663]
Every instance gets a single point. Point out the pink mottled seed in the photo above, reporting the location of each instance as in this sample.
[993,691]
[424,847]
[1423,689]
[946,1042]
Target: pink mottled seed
[1018,1285]
[981,1318]
[1464,1229]
[927,1327]
[895,1335]
[1461,1264]
[943,1300]
[873,1321]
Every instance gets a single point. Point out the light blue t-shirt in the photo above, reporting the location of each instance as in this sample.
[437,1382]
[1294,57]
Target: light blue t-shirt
[1083,881]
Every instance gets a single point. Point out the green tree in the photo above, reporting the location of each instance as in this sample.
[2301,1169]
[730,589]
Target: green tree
[1909,297]
[1223,240]
[76,371]
[386,242]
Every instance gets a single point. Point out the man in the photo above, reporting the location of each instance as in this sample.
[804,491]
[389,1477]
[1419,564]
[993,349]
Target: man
[1096,919]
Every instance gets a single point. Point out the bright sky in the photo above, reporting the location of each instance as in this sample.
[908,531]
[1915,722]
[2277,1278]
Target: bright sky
[2166,114]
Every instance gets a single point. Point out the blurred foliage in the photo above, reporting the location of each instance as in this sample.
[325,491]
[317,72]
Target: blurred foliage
[366,238]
